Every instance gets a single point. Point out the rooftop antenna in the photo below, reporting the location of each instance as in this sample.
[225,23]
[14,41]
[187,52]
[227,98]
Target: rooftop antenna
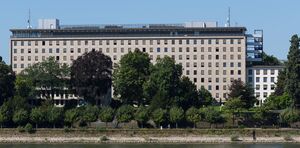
[228,18]
[29,20]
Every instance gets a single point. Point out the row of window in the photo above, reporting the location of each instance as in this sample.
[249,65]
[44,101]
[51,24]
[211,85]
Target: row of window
[265,87]
[122,50]
[264,71]
[265,94]
[128,42]
[263,79]
[217,72]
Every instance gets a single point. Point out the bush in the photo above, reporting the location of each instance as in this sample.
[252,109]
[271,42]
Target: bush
[288,138]
[235,138]
[104,138]
[21,129]
[67,130]
[29,128]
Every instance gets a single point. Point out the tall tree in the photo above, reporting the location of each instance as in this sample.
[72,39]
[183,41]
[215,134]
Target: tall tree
[91,76]
[163,84]
[49,76]
[239,89]
[187,94]
[281,83]
[7,79]
[293,71]
[205,97]
[130,76]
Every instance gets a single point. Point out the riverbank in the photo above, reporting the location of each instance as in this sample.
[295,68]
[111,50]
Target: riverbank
[152,136]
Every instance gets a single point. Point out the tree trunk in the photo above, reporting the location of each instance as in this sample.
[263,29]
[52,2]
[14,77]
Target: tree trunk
[36,125]
[54,125]
[176,125]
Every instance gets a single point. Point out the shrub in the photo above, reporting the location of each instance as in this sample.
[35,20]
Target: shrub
[67,130]
[29,128]
[235,138]
[288,138]
[21,129]
[104,138]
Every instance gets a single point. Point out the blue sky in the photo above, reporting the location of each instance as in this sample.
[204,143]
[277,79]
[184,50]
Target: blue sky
[278,18]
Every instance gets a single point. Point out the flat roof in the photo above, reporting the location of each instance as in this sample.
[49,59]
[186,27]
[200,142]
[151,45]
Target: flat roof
[128,32]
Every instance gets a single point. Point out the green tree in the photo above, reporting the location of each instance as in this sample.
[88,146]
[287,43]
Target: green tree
[5,114]
[21,117]
[90,114]
[293,71]
[289,116]
[106,114]
[176,115]
[71,116]
[239,89]
[125,113]
[54,115]
[212,115]
[281,83]
[142,115]
[24,87]
[274,102]
[7,80]
[159,116]
[130,76]
[193,115]
[205,97]
[48,77]
[187,94]
[163,84]
[38,116]
[234,105]
[91,76]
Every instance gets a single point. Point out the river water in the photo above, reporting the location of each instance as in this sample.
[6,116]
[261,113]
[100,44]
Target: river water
[149,145]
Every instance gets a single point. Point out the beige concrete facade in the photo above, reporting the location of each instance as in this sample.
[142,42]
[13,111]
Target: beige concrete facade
[212,61]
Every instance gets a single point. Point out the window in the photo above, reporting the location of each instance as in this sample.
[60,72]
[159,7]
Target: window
[173,49]
[265,87]
[64,50]
[15,50]
[22,50]
[115,42]
[15,58]
[257,79]
[173,42]
[187,49]
[272,87]
[114,57]
[36,58]
[79,50]
[231,64]
[57,43]
[86,42]
[195,64]
[265,94]
[257,72]
[239,64]
[217,57]
[180,49]
[272,71]
[64,43]
[187,57]
[72,50]
[209,87]
[57,58]
[187,72]
[166,49]
[217,87]
[180,57]
[209,49]
[250,79]
[239,72]
[115,50]
[29,58]
[151,49]
[239,41]
[195,72]
[224,64]
[22,65]
[187,41]
[57,50]
[202,79]
[50,50]
[65,58]
[224,57]
[231,41]
[29,50]
[265,79]
[180,42]
[195,49]
[224,41]
[257,94]
[195,80]
[43,50]
[239,49]
[231,72]
[158,50]
[217,49]
[195,57]
[250,72]
[209,80]
[209,41]
[144,49]
[272,79]
[195,42]
[224,72]
[265,72]
[217,41]
[15,66]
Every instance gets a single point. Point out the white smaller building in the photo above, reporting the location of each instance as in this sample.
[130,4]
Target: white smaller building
[263,79]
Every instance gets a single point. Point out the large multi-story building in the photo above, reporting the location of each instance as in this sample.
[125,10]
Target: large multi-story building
[263,79]
[211,56]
